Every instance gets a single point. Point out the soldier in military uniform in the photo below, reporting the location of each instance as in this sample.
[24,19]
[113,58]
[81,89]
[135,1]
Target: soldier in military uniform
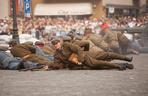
[111,38]
[64,49]
[27,52]
[93,60]
[124,42]
[96,39]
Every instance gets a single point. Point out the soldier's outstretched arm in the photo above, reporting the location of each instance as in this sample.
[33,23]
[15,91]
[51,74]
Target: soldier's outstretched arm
[75,49]
[84,44]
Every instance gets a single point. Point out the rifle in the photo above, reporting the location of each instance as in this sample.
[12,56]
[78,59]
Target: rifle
[36,68]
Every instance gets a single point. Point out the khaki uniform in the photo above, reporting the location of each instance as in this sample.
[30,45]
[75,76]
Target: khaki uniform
[97,40]
[93,47]
[112,40]
[124,42]
[66,51]
[62,55]
[27,52]
[83,44]
[86,45]
[102,59]
[93,61]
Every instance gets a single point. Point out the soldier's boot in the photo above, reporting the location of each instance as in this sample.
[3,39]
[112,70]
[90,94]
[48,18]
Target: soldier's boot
[120,57]
[112,65]
[129,59]
[129,66]
[122,67]
[133,51]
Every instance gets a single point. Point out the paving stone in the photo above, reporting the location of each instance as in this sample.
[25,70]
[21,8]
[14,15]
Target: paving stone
[78,82]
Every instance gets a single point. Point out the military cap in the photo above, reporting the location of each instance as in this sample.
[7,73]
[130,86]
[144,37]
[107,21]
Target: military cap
[55,41]
[88,30]
[39,43]
[66,38]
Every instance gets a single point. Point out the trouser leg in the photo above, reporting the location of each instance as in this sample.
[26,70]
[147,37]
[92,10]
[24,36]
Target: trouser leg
[119,56]
[123,48]
[111,55]
[44,61]
[93,63]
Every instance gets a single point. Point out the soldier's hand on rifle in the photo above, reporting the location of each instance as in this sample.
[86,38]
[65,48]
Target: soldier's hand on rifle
[79,63]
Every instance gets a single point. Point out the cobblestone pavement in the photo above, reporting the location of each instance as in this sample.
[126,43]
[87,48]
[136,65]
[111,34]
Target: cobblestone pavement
[78,82]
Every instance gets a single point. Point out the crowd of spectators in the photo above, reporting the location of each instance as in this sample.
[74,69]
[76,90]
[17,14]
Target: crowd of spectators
[47,29]
[59,26]
[41,25]
[128,21]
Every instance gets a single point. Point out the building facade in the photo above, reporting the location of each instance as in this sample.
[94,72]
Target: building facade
[96,5]
[94,8]
[4,9]
[107,8]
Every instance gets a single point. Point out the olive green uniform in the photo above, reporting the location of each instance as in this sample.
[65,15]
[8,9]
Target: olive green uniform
[112,40]
[89,58]
[88,45]
[97,40]
[102,59]
[124,42]
[22,50]
[62,55]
